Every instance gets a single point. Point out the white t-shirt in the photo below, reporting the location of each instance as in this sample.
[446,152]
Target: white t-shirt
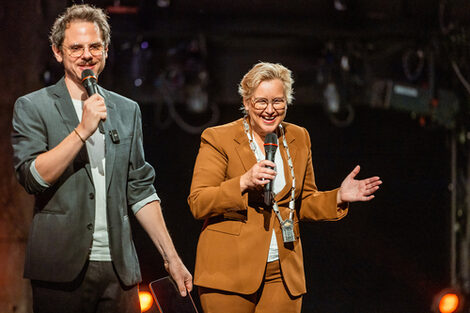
[96,153]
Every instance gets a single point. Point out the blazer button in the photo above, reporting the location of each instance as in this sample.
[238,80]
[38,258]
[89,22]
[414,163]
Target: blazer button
[91,195]
[90,226]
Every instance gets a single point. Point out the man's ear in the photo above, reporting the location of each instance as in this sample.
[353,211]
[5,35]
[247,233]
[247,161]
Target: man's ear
[57,54]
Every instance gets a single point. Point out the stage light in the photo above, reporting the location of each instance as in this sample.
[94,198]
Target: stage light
[449,303]
[197,100]
[47,76]
[340,114]
[146,300]
[144,45]
[138,82]
[163,3]
[449,300]
[332,98]
[340,5]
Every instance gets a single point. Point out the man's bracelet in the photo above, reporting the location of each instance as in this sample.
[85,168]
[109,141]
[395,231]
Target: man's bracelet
[76,132]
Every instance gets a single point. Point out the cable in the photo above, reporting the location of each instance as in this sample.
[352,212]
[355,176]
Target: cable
[460,76]
[444,28]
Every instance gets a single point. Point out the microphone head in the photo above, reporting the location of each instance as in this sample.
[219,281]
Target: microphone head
[88,75]
[270,143]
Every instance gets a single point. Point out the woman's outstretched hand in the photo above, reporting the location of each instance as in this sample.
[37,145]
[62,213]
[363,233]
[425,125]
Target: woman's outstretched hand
[357,190]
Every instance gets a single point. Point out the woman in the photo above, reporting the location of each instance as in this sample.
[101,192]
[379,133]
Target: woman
[249,255]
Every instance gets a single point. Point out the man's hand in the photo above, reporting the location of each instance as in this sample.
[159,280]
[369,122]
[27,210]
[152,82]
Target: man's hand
[151,218]
[181,275]
[94,110]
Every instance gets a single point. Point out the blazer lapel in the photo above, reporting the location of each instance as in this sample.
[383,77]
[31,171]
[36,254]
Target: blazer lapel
[64,105]
[110,146]
[246,155]
[290,143]
[285,193]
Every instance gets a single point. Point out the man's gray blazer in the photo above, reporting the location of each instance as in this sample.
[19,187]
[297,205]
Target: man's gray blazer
[62,229]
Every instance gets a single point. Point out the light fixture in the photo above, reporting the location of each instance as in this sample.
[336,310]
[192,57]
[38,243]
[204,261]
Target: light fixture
[197,100]
[146,301]
[449,300]
[117,8]
[340,113]
[340,5]
[163,3]
[332,98]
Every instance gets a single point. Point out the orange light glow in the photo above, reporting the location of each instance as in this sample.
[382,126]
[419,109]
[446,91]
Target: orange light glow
[449,303]
[146,301]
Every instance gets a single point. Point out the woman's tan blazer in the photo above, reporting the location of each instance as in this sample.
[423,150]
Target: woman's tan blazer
[233,246]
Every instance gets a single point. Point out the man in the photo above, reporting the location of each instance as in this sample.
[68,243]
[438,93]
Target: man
[80,254]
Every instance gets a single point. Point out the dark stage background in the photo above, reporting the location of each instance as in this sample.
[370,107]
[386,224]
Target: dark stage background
[182,61]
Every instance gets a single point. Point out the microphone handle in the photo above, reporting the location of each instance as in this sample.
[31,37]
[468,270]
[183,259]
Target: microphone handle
[101,127]
[91,89]
[268,195]
[269,186]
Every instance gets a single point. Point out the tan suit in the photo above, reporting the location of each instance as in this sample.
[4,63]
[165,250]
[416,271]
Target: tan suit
[234,243]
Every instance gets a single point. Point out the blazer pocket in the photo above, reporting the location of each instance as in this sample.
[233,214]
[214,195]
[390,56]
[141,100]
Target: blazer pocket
[45,211]
[230,227]
[123,144]
[50,209]
[124,141]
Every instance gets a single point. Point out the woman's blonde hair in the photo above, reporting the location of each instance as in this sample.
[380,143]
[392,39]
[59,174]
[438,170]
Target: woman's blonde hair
[263,71]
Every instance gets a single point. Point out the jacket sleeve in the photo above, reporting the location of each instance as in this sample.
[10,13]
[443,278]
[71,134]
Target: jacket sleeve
[212,192]
[28,141]
[317,205]
[141,174]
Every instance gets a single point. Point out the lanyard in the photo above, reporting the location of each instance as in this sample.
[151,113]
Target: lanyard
[287,225]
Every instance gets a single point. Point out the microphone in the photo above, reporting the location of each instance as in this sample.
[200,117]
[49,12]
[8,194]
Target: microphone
[89,82]
[270,147]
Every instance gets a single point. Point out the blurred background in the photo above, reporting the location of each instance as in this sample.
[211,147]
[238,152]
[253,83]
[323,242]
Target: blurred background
[380,83]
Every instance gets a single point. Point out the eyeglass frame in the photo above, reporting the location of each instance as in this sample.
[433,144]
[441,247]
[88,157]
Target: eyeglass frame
[82,48]
[258,101]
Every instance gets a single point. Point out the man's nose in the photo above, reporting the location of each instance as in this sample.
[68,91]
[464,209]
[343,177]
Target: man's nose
[86,53]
